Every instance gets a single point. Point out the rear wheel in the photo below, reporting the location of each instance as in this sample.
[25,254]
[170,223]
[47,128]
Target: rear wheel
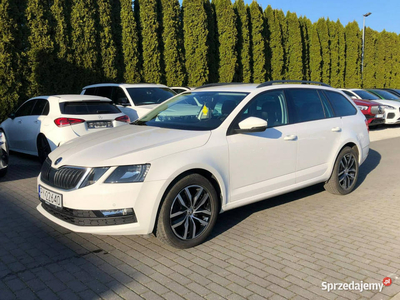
[188,213]
[345,173]
[43,148]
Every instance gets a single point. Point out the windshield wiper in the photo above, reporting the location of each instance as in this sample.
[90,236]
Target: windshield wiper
[138,122]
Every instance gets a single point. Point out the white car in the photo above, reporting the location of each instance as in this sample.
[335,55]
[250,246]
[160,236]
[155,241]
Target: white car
[392,107]
[43,123]
[181,89]
[134,100]
[172,173]
[3,154]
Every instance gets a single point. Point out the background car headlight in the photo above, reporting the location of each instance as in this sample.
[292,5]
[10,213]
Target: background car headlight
[388,107]
[94,175]
[363,107]
[126,174]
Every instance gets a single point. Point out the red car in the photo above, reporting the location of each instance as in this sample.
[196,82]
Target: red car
[373,111]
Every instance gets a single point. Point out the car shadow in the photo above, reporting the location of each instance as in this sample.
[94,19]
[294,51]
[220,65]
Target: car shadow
[21,166]
[233,217]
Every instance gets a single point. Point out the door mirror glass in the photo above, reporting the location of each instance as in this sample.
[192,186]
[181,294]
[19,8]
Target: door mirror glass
[123,101]
[252,124]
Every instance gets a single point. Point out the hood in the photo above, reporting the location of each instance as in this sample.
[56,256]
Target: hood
[388,102]
[126,145]
[365,102]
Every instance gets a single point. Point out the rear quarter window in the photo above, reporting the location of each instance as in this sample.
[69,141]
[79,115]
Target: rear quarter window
[340,104]
[88,108]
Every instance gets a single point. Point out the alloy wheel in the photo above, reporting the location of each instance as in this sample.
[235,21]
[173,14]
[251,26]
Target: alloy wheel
[347,171]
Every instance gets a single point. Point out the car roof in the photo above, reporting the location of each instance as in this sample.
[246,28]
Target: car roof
[127,85]
[73,98]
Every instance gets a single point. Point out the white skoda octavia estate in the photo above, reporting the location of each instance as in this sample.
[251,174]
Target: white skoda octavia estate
[201,153]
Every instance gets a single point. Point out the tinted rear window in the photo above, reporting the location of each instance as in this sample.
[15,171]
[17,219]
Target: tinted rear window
[88,108]
[304,105]
[146,96]
[341,105]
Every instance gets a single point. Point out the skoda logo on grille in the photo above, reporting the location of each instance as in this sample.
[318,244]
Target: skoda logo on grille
[58,161]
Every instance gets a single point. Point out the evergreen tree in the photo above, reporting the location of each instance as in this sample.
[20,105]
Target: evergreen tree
[227,39]
[315,55]
[282,25]
[63,58]
[83,43]
[212,42]
[342,54]
[275,44]
[40,52]
[334,47]
[243,71]
[108,51]
[258,42]
[353,55]
[195,41]
[149,26]
[130,43]
[369,74]
[395,72]
[322,30]
[383,59]
[294,48]
[10,79]
[305,28]
[172,39]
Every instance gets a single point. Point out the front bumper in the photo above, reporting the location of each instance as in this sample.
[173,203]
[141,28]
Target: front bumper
[80,206]
[392,116]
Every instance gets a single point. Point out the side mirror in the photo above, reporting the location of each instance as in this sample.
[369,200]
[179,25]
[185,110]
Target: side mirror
[252,124]
[123,101]
[12,116]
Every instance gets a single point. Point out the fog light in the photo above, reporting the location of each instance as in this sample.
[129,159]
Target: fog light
[117,212]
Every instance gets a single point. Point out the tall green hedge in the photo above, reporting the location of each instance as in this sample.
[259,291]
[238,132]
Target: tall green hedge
[58,46]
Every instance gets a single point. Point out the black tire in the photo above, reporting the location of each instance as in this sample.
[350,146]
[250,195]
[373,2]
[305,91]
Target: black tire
[345,173]
[199,218]
[43,148]
[4,158]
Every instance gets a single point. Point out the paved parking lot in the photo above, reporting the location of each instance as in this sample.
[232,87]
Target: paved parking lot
[280,248]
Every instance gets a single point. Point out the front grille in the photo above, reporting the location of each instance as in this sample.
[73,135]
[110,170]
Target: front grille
[65,178]
[87,217]
[390,116]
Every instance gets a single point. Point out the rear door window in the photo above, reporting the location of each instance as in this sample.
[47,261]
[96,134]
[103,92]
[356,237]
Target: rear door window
[104,91]
[88,108]
[90,91]
[304,105]
[341,105]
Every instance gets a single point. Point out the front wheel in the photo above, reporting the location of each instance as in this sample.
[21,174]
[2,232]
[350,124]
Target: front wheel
[345,173]
[188,213]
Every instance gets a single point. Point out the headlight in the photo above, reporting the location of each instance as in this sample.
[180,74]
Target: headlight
[127,174]
[388,107]
[363,107]
[94,175]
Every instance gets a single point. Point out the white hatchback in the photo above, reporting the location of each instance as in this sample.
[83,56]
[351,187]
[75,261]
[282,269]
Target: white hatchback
[203,152]
[43,123]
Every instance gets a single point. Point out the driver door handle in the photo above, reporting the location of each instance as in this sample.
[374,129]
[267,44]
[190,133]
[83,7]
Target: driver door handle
[19,122]
[291,137]
[336,129]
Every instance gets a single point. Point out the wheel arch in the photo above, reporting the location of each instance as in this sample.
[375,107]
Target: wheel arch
[215,180]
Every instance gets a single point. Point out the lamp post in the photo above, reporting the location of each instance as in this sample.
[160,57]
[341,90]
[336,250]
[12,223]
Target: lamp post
[363,41]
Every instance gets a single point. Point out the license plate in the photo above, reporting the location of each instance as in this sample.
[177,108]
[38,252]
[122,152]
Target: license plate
[99,124]
[379,116]
[50,197]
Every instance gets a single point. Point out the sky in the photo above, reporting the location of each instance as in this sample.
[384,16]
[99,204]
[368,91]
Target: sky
[385,14]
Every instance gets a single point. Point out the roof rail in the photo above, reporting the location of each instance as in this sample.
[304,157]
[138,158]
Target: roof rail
[268,83]
[217,84]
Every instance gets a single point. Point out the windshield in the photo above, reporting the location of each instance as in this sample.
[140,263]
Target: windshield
[193,111]
[149,95]
[366,95]
[386,95]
